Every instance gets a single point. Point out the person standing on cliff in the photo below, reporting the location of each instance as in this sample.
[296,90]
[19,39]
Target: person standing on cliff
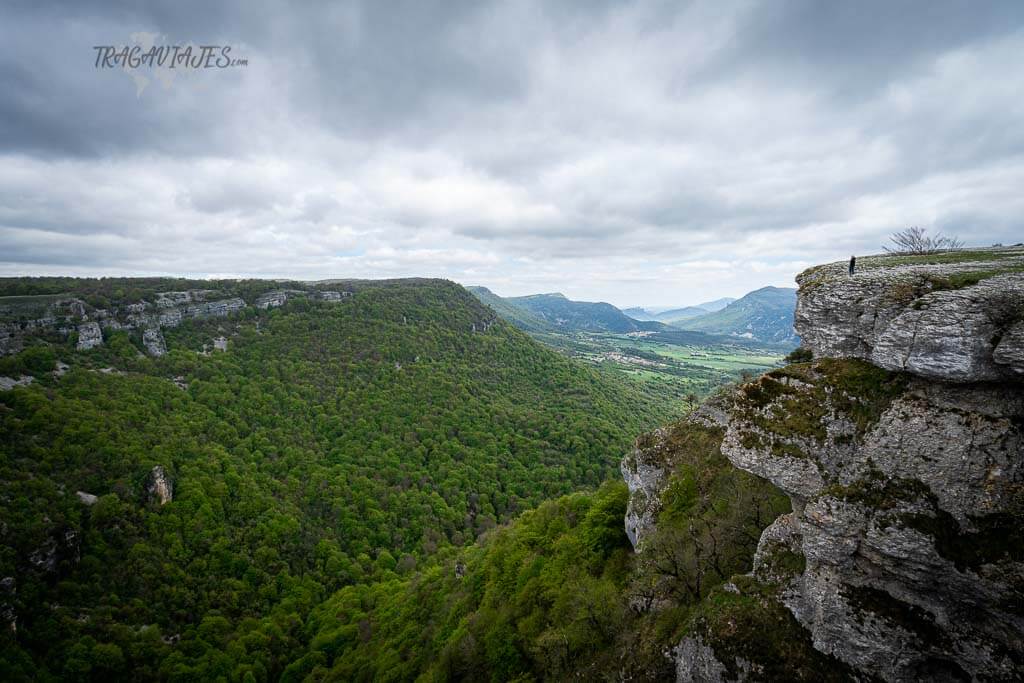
[853,264]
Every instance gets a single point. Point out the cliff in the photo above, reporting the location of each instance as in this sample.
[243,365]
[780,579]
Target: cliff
[899,447]
[28,319]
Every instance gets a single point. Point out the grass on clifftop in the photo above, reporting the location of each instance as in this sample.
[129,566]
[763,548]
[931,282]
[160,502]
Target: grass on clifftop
[1004,260]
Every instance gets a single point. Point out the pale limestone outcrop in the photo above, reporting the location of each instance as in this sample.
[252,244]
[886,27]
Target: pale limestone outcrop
[1009,350]
[328,295]
[647,467]
[169,318]
[86,498]
[214,309]
[903,556]
[272,299]
[89,336]
[8,383]
[154,342]
[696,662]
[943,321]
[159,486]
[645,471]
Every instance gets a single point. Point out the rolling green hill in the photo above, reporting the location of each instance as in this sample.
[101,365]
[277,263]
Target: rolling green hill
[517,315]
[764,315]
[332,444]
[580,316]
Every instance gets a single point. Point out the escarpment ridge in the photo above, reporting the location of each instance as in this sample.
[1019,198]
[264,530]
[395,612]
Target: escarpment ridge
[900,447]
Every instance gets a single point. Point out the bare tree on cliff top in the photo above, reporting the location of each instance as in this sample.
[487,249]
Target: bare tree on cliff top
[916,240]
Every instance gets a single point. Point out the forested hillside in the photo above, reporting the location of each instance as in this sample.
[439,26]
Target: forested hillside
[517,315]
[330,445]
[765,314]
[579,316]
[559,594]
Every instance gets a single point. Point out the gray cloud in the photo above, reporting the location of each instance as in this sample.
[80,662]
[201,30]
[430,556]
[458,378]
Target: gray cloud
[648,152]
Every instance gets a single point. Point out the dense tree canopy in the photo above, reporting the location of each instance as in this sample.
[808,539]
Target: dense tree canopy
[332,445]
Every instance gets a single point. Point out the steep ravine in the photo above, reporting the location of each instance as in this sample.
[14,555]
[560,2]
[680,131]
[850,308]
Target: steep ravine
[900,448]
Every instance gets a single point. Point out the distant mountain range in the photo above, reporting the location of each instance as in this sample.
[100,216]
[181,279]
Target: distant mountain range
[519,316]
[765,314]
[665,315]
[555,313]
[581,316]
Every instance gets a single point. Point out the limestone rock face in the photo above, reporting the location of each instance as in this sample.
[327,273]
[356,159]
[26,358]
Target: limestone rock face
[215,309]
[170,318]
[899,518]
[1010,349]
[8,383]
[696,662]
[272,299]
[901,448]
[19,324]
[645,471]
[89,336]
[10,339]
[154,342]
[181,298]
[328,295]
[159,486]
[927,319]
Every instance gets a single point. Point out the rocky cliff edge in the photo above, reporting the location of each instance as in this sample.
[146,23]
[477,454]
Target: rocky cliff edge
[900,447]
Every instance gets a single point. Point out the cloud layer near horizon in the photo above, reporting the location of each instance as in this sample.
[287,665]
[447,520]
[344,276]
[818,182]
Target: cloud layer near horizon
[644,153]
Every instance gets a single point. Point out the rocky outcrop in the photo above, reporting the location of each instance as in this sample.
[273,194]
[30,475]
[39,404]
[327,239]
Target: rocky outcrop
[169,318]
[958,322]
[272,299]
[89,336]
[645,471]
[901,448]
[696,661]
[8,383]
[214,309]
[46,316]
[906,495]
[10,339]
[154,342]
[1009,350]
[647,467]
[87,499]
[159,486]
[182,298]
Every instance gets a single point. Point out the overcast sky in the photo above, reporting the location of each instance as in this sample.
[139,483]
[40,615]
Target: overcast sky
[642,153]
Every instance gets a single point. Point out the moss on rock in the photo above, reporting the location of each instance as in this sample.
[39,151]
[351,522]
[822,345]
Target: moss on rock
[750,624]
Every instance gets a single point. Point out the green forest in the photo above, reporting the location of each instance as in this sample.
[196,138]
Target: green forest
[394,486]
[333,445]
[560,594]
